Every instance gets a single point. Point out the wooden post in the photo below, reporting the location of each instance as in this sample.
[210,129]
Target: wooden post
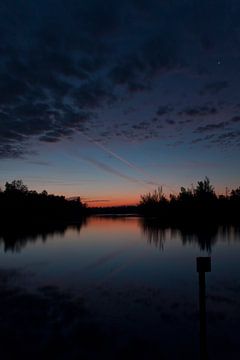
[203,266]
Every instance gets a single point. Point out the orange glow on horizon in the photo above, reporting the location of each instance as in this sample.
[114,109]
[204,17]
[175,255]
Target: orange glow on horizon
[124,201]
[118,200]
[109,200]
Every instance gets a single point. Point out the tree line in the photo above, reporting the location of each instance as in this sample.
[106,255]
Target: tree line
[197,203]
[19,203]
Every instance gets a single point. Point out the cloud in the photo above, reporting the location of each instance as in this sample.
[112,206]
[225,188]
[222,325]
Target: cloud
[156,55]
[235,119]
[206,138]
[93,95]
[230,137]
[127,73]
[164,110]
[211,127]
[214,88]
[64,61]
[170,122]
[50,70]
[12,151]
[203,110]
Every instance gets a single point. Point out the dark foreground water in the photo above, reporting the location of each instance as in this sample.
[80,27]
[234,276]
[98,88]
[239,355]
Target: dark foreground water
[117,288]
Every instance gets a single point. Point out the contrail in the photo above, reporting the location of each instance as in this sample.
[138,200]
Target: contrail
[106,167]
[109,169]
[124,161]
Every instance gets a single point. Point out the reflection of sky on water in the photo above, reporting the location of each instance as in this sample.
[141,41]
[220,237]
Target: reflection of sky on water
[135,275]
[119,250]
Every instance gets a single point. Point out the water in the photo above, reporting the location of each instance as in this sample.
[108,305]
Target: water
[138,282]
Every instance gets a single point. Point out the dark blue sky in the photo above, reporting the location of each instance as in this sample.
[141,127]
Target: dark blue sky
[110,99]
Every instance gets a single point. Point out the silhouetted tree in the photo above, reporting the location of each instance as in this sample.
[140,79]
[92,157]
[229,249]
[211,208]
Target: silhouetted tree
[16,186]
[204,190]
[192,205]
[18,203]
[185,195]
[153,198]
[235,194]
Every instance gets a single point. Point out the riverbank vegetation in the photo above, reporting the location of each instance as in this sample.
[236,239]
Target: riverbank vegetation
[17,202]
[199,203]
[195,204]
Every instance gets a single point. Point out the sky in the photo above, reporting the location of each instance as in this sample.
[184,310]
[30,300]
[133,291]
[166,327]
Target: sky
[111,99]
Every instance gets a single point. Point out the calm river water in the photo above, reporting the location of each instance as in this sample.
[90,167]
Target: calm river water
[138,282]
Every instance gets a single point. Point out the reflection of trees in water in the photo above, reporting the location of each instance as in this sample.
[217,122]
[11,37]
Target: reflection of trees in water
[15,237]
[230,233]
[155,235]
[204,235]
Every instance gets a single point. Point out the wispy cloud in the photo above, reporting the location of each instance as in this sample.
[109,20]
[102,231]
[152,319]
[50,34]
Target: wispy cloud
[211,127]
